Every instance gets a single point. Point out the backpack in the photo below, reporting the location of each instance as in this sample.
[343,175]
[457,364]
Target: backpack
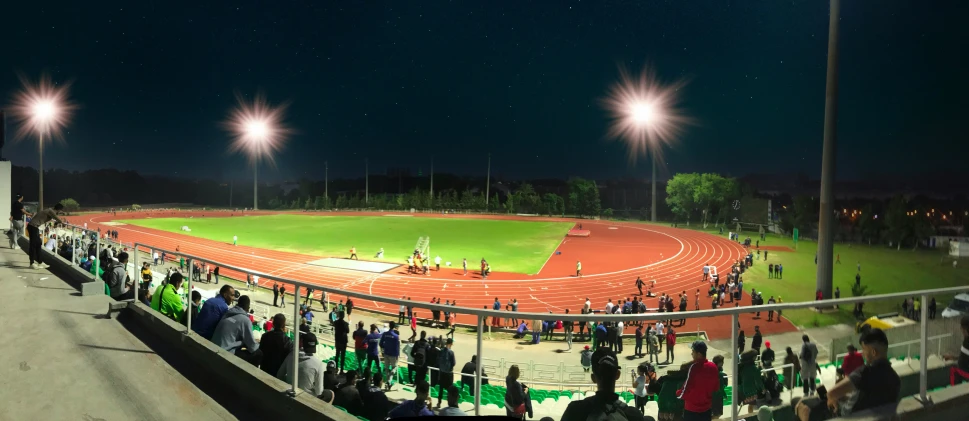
[558,324]
[614,411]
[420,356]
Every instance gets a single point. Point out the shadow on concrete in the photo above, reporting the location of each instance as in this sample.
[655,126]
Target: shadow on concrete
[199,376]
[109,348]
[54,288]
[95,315]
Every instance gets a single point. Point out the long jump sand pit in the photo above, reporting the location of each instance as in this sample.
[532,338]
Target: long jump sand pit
[351,264]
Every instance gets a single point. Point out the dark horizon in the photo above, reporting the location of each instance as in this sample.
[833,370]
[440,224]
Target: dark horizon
[400,83]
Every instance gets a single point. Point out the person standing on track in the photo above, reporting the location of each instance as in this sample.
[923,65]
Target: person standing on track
[706,272]
[639,285]
[578,269]
[353,253]
[235,240]
[464,265]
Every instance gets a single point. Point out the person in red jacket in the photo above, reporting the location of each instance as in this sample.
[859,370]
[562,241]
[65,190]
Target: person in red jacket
[702,379]
[852,361]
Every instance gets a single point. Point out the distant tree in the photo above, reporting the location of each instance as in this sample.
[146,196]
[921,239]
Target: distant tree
[70,205]
[710,192]
[680,194]
[308,204]
[607,213]
[584,197]
[135,207]
[527,200]
[898,221]
[550,204]
[318,203]
[341,201]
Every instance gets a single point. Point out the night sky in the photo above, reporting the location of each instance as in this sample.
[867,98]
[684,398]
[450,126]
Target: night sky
[402,81]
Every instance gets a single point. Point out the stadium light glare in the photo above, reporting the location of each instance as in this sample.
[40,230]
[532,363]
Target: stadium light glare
[258,131]
[42,109]
[645,116]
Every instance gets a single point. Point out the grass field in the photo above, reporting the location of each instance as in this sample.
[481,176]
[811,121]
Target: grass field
[509,246]
[883,269]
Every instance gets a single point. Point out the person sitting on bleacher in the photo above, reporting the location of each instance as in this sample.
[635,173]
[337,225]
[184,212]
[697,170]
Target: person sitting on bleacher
[275,345]
[212,311]
[118,280]
[310,368]
[606,403]
[348,396]
[377,404]
[876,384]
[416,407]
[234,333]
[167,301]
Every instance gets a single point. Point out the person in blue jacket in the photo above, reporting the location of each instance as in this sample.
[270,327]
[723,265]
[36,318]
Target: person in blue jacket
[390,343]
[373,349]
[416,407]
[212,311]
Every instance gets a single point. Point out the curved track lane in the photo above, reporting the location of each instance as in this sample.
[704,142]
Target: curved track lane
[612,257]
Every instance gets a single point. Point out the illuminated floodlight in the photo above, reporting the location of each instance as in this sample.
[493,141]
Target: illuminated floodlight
[644,112]
[42,109]
[257,129]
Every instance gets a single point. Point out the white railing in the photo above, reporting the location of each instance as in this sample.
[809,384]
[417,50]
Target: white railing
[483,314]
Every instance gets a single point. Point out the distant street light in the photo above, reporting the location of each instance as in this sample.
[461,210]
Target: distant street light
[259,132]
[645,116]
[42,110]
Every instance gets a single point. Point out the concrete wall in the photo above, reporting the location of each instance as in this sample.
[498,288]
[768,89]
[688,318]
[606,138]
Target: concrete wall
[6,195]
[248,382]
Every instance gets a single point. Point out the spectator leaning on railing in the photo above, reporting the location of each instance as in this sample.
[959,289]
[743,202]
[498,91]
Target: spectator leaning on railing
[33,231]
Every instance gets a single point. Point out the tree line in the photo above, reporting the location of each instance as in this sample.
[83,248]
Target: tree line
[707,194]
[581,199]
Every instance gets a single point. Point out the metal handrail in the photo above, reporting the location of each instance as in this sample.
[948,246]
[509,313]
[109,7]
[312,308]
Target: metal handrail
[571,316]
[482,314]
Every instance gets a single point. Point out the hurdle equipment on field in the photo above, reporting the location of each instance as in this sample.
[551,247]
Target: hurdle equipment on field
[424,246]
[579,233]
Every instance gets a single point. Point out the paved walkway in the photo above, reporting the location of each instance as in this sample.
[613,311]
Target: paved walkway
[62,361]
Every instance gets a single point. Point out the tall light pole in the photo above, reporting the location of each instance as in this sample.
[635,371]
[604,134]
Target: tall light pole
[432,181]
[827,214]
[326,181]
[42,109]
[366,179]
[258,131]
[645,116]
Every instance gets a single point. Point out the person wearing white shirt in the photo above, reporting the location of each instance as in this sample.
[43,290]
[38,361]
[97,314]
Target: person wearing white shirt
[609,307]
[660,334]
[619,328]
[639,388]
[588,305]
[255,282]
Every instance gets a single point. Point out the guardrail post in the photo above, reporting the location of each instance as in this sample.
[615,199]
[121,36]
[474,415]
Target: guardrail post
[477,370]
[923,350]
[296,342]
[734,409]
[137,280]
[188,326]
[97,257]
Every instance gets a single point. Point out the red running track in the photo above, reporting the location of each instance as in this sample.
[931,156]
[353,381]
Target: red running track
[612,257]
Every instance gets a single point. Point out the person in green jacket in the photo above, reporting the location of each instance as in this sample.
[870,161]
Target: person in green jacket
[167,301]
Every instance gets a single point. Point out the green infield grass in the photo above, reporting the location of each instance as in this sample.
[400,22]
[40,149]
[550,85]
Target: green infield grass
[509,246]
[883,269]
